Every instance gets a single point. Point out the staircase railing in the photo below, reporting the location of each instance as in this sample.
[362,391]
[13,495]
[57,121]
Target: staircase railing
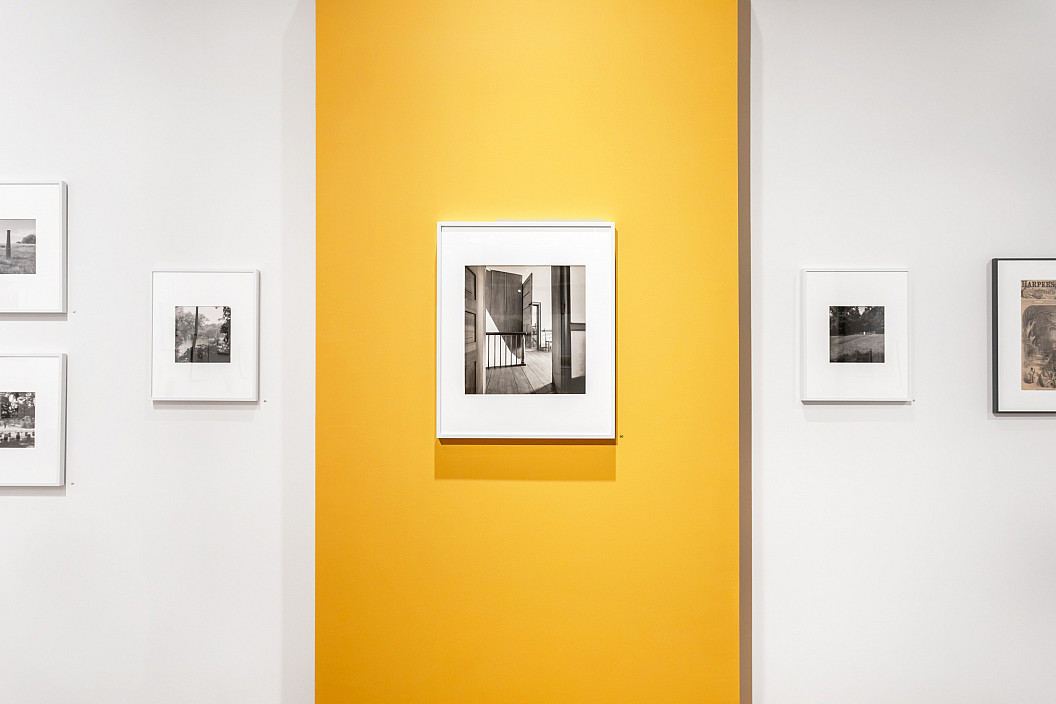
[504,349]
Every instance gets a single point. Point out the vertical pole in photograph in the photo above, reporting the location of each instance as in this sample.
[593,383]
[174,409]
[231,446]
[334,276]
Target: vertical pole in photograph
[194,336]
[7,252]
[482,328]
[560,304]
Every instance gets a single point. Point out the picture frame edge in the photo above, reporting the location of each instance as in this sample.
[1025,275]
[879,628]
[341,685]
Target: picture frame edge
[441,226]
[806,399]
[255,396]
[63,307]
[60,481]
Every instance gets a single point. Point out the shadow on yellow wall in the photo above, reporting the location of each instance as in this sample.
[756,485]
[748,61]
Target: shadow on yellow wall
[570,460]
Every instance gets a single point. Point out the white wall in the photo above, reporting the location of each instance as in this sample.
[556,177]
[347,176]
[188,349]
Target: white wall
[177,564]
[901,554]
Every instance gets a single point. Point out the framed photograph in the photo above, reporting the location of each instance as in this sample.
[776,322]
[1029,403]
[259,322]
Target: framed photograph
[1024,335]
[206,335]
[526,329]
[32,420]
[855,335]
[32,247]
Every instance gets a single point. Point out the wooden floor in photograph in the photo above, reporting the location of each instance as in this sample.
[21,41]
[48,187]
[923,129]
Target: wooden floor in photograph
[535,377]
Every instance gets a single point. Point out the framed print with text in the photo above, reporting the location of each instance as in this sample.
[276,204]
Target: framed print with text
[526,329]
[32,247]
[32,420]
[1024,335]
[205,335]
[855,335]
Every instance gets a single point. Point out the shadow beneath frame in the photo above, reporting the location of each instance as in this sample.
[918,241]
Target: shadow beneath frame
[535,459]
[56,317]
[33,490]
[525,459]
[888,404]
[202,405]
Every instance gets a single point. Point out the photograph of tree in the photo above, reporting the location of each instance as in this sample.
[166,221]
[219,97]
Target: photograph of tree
[17,415]
[1038,305]
[18,250]
[203,334]
[856,334]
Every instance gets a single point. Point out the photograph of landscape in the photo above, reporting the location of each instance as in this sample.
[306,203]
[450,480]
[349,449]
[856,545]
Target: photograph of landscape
[856,334]
[18,254]
[203,334]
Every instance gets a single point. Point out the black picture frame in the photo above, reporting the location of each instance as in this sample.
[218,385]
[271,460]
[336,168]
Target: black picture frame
[1005,399]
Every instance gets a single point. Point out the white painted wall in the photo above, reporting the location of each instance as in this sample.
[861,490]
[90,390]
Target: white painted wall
[177,564]
[901,554]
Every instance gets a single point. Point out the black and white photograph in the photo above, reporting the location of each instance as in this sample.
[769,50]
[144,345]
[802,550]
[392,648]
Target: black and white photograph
[525,309]
[855,353]
[19,253]
[33,247]
[856,334]
[525,329]
[17,419]
[32,419]
[203,334]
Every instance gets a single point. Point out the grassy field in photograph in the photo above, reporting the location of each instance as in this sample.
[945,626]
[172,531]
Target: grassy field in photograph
[856,348]
[23,259]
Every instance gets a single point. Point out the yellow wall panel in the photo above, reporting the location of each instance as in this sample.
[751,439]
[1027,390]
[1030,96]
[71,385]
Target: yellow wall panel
[527,571]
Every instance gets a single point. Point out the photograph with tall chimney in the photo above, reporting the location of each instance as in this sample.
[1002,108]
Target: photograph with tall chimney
[525,329]
[18,254]
[856,334]
[1038,334]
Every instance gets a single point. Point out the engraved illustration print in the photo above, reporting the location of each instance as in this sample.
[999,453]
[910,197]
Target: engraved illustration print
[1038,335]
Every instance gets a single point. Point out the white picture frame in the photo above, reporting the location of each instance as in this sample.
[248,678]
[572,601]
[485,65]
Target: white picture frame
[855,335]
[33,276]
[1022,330]
[574,263]
[213,352]
[32,420]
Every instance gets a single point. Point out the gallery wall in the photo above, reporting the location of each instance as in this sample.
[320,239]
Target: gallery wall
[902,553]
[528,571]
[176,565]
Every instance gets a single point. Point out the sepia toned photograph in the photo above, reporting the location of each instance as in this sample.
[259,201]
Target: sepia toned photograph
[1038,335]
[17,419]
[856,334]
[525,329]
[203,334]
[19,253]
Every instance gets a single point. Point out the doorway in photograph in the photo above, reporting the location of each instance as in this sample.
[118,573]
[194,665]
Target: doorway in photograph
[17,419]
[18,248]
[525,329]
[856,334]
[203,334]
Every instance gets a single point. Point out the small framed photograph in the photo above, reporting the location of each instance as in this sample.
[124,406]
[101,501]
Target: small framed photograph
[526,329]
[1024,335]
[855,335]
[32,247]
[32,420]
[206,335]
